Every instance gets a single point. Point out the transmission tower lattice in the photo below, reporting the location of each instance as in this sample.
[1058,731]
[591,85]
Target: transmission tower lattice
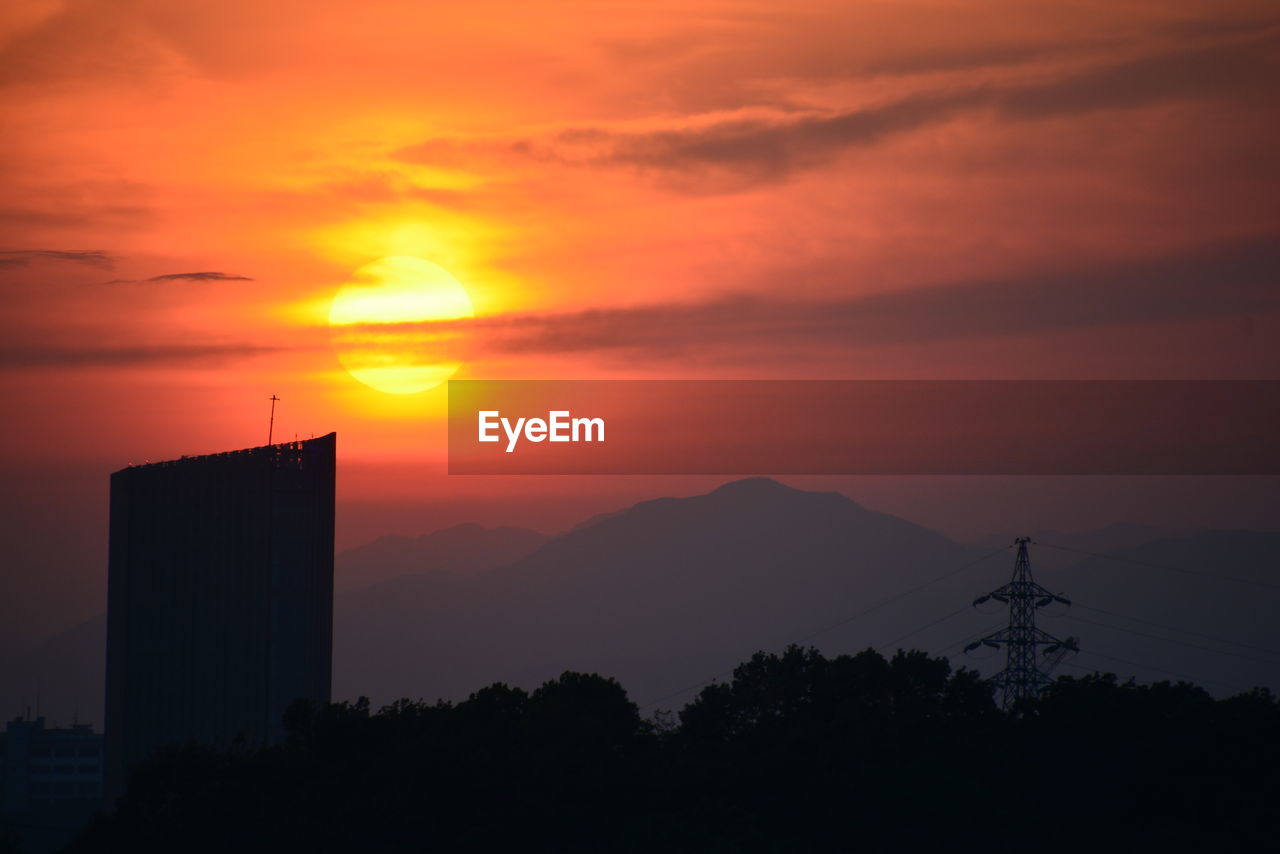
[1023,675]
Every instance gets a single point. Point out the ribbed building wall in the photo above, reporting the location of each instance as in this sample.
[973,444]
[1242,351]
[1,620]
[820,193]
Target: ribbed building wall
[220,592]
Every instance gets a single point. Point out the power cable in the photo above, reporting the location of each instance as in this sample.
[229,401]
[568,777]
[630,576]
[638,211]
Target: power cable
[914,632]
[1182,676]
[860,614]
[1168,628]
[1170,640]
[1199,573]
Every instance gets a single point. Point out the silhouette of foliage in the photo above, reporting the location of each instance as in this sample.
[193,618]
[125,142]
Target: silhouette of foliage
[797,752]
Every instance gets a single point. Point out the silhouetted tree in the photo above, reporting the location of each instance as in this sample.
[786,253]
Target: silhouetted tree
[797,752]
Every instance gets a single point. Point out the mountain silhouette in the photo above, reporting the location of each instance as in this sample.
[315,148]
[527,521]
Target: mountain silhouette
[669,593]
[463,548]
[61,677]
[1199,607]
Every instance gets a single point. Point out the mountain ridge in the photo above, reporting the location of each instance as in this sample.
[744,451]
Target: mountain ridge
[664,593]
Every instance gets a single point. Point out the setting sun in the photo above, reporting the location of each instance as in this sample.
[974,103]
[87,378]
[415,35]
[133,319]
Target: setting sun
[376,321]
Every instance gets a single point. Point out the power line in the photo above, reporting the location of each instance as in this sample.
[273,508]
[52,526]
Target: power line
[913,590]
[959,644]
[865,611]
[1249,581]
[1182,676]
[917,631]
[1171,640]
[894,598]
[1167,628]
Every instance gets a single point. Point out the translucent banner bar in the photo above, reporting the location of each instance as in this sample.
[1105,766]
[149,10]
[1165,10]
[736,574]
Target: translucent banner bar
[743,427]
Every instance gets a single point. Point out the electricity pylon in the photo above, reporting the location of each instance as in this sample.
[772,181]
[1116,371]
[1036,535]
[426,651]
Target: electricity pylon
[1022,675]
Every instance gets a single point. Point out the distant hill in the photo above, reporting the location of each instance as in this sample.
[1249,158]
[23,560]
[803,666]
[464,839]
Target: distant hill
[668,593]
[63,677]
[462,548]
[671,592]
[65,674]
[1200,607]
[1121,535]
[1049,543]
[664,593]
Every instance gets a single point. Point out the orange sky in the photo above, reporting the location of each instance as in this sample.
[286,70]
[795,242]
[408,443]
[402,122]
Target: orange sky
[709,189]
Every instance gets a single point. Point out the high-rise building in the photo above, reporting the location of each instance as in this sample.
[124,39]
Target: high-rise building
[219,597]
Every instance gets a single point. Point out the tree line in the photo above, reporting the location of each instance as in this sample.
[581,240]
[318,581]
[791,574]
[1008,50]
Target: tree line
[797,753]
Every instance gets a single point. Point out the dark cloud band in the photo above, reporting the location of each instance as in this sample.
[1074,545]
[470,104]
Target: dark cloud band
[90,257]
[161,355]
[732,154]
[1228,279]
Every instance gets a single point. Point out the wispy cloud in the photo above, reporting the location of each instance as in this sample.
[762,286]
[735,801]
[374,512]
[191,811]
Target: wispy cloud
[200,277]
[203,276]
[733,153]
[90,257]
[208,276]
[158,355]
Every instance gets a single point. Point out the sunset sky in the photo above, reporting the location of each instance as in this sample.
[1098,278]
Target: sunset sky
[658,190]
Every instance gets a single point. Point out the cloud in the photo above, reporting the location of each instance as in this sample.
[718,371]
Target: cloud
[158,355]
[966,58]
[90,257]
[204,276]
[1030,48]
[1234,278]
[210,276]
[1238,69]
[760,150]
[735,153]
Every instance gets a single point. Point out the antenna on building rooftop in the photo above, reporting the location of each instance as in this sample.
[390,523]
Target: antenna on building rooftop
[271,425]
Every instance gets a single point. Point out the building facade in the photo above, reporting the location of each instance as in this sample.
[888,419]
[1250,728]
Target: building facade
[49,767]
[219,597]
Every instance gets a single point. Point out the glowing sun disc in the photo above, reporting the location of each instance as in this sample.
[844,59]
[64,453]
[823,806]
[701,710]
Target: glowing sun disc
[377,324]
